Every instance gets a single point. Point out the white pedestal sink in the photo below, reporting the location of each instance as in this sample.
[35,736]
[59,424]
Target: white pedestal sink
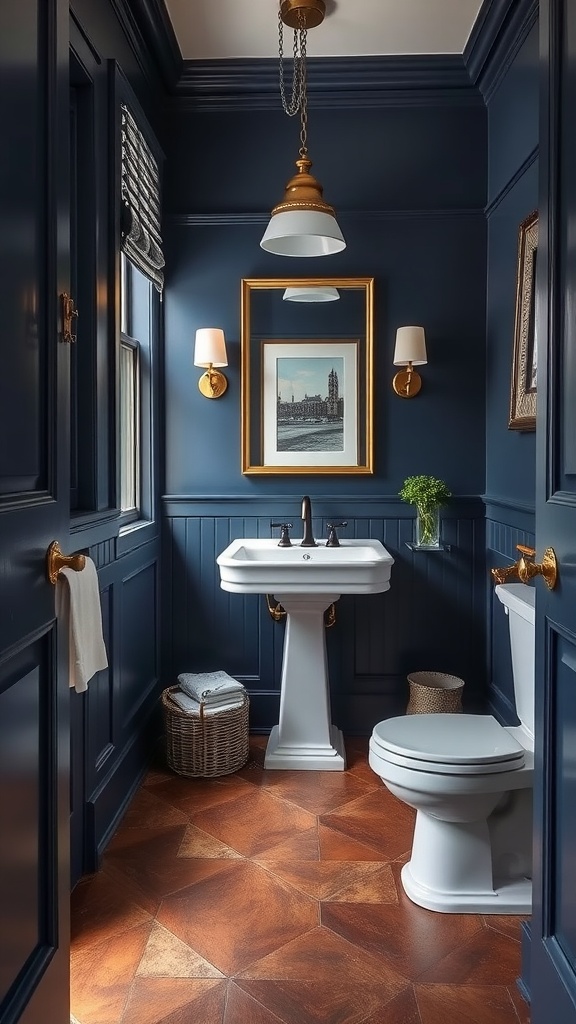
[305,581]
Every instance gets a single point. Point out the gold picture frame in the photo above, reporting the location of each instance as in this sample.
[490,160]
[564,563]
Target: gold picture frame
[326,351]
[523,391]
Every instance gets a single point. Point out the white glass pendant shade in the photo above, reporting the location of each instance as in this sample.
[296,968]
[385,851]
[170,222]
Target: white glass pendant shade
[303,224]
[410,347]
[303,233]
[311,293]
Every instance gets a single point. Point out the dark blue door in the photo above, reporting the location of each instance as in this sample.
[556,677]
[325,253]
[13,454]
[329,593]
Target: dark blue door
[34,510]
[553,961]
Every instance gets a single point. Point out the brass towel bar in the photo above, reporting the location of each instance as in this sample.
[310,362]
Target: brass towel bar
[55,561]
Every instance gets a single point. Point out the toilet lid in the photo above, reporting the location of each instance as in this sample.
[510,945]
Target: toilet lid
[472,743]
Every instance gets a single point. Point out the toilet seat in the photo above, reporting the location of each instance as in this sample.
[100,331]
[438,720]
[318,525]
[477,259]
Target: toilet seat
[448,744]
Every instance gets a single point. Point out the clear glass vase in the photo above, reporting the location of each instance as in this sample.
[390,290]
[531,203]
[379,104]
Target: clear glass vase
[427,528]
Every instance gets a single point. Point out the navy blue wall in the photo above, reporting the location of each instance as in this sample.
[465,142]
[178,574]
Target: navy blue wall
[409,184]
[510,454]
[116,722]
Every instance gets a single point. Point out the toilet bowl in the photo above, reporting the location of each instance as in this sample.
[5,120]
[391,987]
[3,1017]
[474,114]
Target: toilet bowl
[470,781]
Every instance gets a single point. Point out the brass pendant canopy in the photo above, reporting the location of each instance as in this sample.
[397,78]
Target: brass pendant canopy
[302,13]
[303,192]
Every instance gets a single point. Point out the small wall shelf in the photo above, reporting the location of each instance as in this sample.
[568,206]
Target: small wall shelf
[423,547]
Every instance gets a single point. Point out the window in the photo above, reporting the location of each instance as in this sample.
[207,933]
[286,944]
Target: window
[141,283]
[138,316]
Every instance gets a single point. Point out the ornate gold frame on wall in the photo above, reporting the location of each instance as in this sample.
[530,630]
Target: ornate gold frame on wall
[524,361]
[252,404]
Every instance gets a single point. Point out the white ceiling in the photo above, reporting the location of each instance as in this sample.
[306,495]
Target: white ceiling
[209,29]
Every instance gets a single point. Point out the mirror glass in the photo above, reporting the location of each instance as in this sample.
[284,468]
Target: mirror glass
[307,367]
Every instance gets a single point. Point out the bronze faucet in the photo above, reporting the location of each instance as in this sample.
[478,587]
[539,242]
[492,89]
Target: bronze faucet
[306,515]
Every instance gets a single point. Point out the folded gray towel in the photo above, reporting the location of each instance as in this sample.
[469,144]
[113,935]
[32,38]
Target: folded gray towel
[192,707]
[209,687]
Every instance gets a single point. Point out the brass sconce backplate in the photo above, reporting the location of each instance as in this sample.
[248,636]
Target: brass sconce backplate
[212,384]
[407,383]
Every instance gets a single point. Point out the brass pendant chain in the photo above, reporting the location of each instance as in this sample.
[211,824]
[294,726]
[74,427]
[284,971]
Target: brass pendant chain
[297,103]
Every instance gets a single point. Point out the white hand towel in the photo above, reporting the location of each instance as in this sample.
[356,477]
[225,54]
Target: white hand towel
[192,707]
[79,604]
[209,686]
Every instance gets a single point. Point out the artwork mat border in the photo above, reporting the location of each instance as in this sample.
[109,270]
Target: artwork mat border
[325,349]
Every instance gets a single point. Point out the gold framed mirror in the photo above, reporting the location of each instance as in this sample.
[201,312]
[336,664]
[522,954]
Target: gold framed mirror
[307,375]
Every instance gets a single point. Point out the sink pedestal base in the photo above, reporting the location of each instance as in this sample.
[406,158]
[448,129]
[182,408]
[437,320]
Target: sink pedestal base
[305,738]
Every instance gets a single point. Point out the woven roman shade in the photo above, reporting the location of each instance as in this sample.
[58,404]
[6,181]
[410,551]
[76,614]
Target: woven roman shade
[140,224]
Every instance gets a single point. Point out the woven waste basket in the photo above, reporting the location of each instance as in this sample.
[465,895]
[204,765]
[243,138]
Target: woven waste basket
[206,743]
[434,692]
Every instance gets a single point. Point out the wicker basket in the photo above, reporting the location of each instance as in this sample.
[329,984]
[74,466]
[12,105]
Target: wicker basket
[205,744]
[432,692]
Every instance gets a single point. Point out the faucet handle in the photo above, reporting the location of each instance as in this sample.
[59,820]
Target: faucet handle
[333,541]
[285,528]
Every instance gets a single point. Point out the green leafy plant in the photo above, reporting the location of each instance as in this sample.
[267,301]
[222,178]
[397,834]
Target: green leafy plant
[427,493]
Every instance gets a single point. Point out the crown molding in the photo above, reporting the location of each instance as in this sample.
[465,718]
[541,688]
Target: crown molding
[262,218]
[252,84]
[149,31]
[498,33]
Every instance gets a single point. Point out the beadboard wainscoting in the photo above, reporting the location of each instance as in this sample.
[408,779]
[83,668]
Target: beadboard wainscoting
[432,618]
[507,524]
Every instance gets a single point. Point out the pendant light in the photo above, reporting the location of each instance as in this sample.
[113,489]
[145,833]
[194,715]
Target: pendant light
[303,223]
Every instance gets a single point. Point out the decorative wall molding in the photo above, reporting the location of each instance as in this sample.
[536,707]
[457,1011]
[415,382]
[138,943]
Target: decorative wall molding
[519,506]
[513,181]
[498,33]
[361,506]
[149,31]
[243,219]
[337,82]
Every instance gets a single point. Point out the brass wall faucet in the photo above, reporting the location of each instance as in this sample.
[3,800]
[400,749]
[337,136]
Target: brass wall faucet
[525,568]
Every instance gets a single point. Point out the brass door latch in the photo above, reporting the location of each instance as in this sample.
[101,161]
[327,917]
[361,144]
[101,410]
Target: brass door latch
[69,311]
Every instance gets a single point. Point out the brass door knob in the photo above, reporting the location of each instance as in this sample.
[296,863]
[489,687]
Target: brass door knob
[547,568]
[55,561]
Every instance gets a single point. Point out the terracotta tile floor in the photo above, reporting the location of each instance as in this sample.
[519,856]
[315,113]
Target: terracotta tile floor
[275,898]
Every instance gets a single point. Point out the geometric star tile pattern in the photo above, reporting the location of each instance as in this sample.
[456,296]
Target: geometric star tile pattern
[274,897]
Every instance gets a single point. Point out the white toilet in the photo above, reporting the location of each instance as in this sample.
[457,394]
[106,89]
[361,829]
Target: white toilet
[470,780]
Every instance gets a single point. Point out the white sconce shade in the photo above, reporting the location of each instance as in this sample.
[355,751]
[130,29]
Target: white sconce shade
[210,347]
[311,293]
[410,351]
[210,351]
[410,347]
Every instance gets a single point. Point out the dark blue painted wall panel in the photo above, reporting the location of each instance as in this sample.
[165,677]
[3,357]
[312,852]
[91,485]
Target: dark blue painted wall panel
[367,159]
[428,270]
[513,117]
[510,454]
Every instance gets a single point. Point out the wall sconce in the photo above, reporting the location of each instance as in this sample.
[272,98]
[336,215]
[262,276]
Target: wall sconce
[210,351]
[410,351]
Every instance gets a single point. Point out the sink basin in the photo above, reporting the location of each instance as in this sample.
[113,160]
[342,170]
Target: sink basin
[260,566]
[306,581]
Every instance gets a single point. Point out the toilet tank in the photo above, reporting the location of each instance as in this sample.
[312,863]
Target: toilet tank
[519,604]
